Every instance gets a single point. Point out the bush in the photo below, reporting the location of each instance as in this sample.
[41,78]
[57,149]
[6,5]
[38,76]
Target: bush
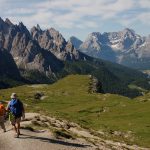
[38,95]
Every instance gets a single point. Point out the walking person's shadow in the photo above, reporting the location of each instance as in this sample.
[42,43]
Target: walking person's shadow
[54,141]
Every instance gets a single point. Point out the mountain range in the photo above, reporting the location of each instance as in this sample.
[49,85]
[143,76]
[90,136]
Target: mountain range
[123,47]
[44,56]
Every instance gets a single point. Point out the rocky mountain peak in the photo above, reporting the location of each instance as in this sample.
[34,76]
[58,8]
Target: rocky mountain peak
[128,30]
[38,27]
[56,35]
[51,40]
[74,38]
[128,33]
[23,28]
[35,32]
[3,25]
[94,36]
[21,25]
[8,22]
[75,41]
[1,20]
[125,47]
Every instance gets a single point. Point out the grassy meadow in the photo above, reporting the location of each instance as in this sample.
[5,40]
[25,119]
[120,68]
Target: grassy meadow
[118,117]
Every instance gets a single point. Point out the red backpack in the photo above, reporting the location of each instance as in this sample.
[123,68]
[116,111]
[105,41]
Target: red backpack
[2,110]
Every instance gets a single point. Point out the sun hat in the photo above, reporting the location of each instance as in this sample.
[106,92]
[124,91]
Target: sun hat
[13,95]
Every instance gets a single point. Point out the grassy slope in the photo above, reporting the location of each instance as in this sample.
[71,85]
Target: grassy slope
[69,99]
[114,78]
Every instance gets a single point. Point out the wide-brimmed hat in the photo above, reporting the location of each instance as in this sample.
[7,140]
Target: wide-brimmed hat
[13,95]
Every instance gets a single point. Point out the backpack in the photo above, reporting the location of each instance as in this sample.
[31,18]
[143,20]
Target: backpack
[2,110]
[16,107]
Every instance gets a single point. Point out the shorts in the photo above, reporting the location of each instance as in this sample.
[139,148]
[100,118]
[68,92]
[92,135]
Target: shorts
[13,119]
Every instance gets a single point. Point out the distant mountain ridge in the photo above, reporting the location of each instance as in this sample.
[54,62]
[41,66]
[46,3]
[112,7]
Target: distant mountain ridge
[123,47]
[44,56]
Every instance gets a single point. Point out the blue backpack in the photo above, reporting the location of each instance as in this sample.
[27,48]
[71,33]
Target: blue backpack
[16,107]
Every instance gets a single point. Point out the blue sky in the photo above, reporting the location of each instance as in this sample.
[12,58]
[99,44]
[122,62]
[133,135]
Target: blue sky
[80,17]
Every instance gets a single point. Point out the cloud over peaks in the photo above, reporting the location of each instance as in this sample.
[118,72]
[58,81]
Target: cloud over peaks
[70,14]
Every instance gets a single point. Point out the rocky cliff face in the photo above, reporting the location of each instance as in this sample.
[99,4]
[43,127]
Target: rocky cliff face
[54,42]
[8,67]
[26,52]
[9,72]
[124,47]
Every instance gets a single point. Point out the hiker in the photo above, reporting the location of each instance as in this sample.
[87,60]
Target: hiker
[16,111]
[2,116]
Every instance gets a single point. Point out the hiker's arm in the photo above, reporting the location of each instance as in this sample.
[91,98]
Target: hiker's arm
[23,111]
[7,108]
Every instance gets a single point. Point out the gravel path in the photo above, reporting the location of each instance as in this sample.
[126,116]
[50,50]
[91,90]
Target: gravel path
[45,140]
[41,140]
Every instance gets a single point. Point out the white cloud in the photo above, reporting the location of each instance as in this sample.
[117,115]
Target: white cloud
[144,18]
[75,13]
[20,11]
[144,3]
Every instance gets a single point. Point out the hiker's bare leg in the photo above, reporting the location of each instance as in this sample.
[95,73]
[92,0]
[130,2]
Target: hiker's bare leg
[3,127]
[13,123]
[18,128]
[14,126]
[2,124]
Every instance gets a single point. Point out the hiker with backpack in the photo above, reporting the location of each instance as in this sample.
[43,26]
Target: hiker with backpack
[16,111]
[2,116]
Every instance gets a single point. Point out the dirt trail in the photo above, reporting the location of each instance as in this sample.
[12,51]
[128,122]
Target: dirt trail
[45,140]
[39,140]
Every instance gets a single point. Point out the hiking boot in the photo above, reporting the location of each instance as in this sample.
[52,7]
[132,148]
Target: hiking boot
[16,135]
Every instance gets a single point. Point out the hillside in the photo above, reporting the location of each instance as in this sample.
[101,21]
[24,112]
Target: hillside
[114,78]
[110,116]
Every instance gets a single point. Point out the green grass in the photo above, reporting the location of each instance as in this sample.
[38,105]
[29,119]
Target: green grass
[69,99]
[132,86]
